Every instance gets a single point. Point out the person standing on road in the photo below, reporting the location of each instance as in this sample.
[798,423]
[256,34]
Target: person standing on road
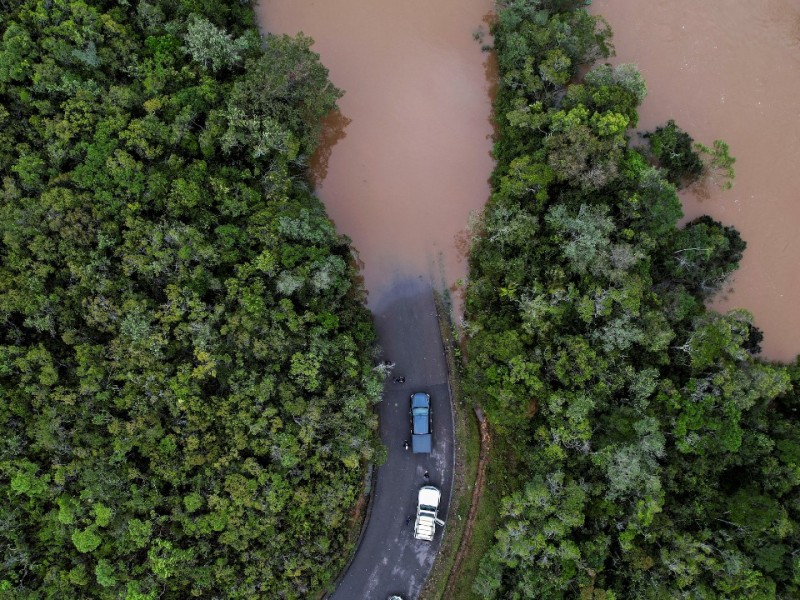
[408,520]
[405,445]
[426,475]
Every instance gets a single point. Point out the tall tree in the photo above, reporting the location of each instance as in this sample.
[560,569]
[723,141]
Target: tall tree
[650,450]
[185,358]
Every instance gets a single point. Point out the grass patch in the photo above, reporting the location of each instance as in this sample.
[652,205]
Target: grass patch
[486,523]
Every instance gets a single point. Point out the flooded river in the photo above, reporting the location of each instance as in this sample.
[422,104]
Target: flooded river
[730,69]
[407,159]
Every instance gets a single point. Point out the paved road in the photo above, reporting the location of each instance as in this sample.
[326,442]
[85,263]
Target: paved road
[389,559]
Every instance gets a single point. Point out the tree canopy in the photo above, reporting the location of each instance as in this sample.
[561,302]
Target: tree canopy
[185,358]
[656,456]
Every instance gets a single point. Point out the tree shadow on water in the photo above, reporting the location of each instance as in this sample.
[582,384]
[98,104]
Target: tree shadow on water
[701,190]
[491,68]
[333,130]
[492,73]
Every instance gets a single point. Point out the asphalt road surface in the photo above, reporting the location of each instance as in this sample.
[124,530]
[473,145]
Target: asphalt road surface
[389,560]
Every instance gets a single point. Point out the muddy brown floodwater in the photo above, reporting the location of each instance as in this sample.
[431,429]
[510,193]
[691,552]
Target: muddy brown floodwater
[407,160]
[730,69]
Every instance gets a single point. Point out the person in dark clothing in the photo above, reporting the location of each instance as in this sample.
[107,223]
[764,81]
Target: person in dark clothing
[400,379]
[405,445]
[408,520]
[426,475]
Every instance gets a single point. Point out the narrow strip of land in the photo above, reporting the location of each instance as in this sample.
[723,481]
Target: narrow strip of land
[477,491]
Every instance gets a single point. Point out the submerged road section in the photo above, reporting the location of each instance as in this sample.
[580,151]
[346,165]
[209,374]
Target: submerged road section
[389,560]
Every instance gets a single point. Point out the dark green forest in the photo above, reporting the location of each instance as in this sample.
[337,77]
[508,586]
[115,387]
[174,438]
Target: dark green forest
[185,357]
[650,454]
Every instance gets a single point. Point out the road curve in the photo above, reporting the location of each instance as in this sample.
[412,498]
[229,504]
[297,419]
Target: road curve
[389,560]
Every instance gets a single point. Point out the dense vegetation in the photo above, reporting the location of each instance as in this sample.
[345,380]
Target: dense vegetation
[655,456]
[185,374]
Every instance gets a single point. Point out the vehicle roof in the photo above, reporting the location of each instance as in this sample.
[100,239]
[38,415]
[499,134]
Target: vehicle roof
[420,423]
